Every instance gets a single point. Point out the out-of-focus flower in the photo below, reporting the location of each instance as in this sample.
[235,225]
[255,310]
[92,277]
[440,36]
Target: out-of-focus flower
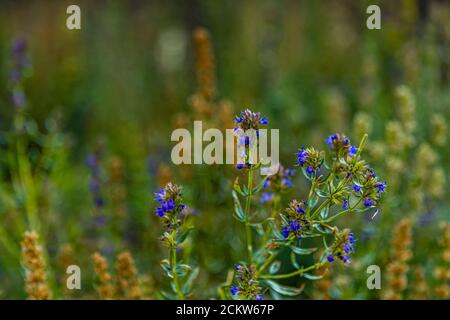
[438,129]
[280,181]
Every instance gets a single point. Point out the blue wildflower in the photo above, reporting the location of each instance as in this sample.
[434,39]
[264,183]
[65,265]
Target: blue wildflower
[346,259]
[160,195]
[300,208]
[302,155]
[234,290]
[330,258]
[343,246]
[381,186]
[160,212]
[345,204]
[356,188]
[286,183]
[330,140]
[247,284]
[258,297]
[295,226]
[309,170]
[353,151]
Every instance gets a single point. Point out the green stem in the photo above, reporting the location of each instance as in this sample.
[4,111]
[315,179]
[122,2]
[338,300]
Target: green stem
[173,253]
[342,212]
[289,275]
[248,231]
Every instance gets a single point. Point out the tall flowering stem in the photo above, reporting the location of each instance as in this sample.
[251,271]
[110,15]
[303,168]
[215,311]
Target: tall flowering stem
[174,216]
[247,120]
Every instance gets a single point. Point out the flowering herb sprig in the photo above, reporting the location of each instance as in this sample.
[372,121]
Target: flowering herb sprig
[341,182]
[20,67]
[173,215]
[310,160]
[246,121]
[343,246]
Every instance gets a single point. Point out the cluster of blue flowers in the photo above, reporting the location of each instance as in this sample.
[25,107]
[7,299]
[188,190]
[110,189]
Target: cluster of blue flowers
[169,199]
[343,247]
[92,162]
[250,120]
[266,197]
[247,286]
[296,221]
[310,159]
[339,142]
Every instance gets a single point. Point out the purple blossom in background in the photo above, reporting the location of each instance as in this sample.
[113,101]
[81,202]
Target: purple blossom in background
[95,180]
[20,63]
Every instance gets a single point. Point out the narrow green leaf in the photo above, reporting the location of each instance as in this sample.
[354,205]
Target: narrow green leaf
[168,296]
[259,186]
[237,188]
[182,269]
[284,290]
[312,276]
[302,251]
[313,201]
[239,213]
